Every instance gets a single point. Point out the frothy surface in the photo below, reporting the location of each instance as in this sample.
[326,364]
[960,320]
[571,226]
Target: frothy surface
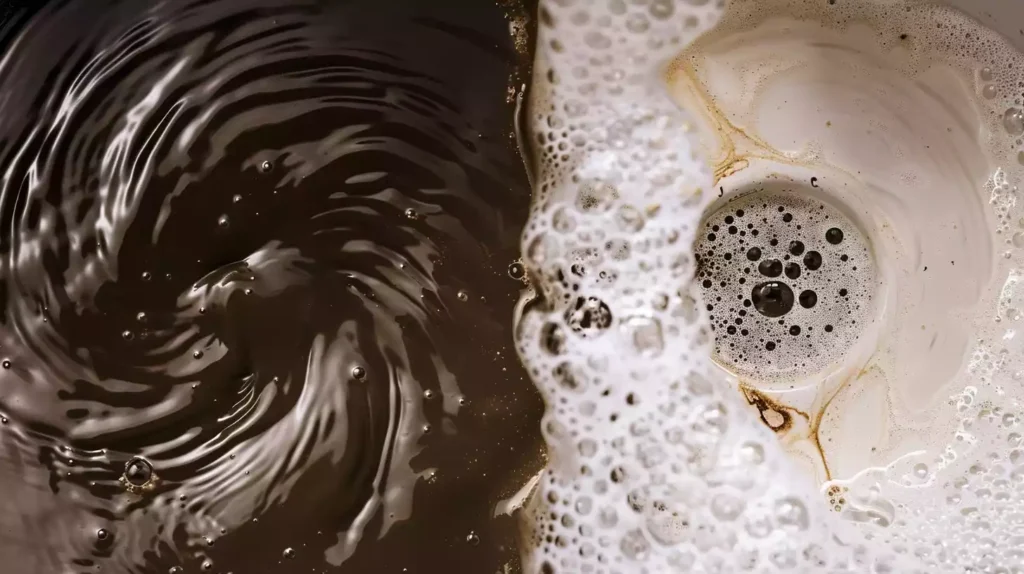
[786,289]
[658,466]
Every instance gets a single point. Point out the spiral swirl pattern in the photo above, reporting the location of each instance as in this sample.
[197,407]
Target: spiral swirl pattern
[261,246]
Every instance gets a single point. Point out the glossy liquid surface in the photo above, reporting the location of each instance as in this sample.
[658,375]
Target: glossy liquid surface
[254,270]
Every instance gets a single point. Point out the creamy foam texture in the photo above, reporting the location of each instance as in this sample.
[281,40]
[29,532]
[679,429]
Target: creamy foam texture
[906,118]
[908,115]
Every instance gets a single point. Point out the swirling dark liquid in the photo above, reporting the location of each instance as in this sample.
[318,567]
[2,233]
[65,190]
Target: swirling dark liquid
[254,273]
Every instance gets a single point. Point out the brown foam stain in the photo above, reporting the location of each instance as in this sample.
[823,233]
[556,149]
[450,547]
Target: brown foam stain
[738,145]
[772,410]
[766,404]
[768,408]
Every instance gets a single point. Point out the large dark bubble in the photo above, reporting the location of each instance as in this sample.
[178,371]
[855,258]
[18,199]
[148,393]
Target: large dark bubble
[233,238]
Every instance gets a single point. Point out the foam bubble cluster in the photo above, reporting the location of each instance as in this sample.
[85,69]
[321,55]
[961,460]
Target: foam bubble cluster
[788,282]
[657,465]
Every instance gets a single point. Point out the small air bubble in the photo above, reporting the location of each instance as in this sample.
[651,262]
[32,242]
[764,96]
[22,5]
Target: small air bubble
[792,270]
[813,260]
[792,514]
[770,268]
[921,471]
[1013,121]
[662,9]
[517,271]
[808,299]
[752,453]
[637,23]
[138,472]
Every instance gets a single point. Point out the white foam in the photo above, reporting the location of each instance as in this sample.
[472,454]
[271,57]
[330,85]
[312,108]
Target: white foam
[657,463]
[914,108]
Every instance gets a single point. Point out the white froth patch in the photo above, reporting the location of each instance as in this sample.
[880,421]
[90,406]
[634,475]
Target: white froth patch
[657,463]
[918,109]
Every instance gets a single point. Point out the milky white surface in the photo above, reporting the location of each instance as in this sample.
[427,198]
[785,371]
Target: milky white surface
[658,464]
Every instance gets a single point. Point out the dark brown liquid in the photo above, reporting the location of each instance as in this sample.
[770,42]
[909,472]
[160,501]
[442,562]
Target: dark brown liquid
[255,274]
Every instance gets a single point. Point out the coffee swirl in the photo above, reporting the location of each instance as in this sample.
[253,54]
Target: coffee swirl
[259,247]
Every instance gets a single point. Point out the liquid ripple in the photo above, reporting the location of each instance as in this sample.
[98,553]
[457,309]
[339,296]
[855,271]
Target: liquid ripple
[262,246]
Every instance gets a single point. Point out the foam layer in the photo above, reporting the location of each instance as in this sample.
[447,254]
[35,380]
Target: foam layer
[657,466]
[657,463]
[916,109]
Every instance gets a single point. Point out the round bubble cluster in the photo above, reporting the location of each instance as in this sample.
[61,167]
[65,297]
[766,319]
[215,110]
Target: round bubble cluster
[657,465]
[788,282]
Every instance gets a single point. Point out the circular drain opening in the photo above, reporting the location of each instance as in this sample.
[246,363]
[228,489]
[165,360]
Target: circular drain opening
[789,282]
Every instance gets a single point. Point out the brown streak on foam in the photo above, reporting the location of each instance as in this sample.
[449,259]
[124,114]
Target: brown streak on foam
[816,426]
[681,74]
[764,403]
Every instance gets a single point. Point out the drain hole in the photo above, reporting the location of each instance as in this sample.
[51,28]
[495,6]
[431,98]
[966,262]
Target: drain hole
[788,281]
